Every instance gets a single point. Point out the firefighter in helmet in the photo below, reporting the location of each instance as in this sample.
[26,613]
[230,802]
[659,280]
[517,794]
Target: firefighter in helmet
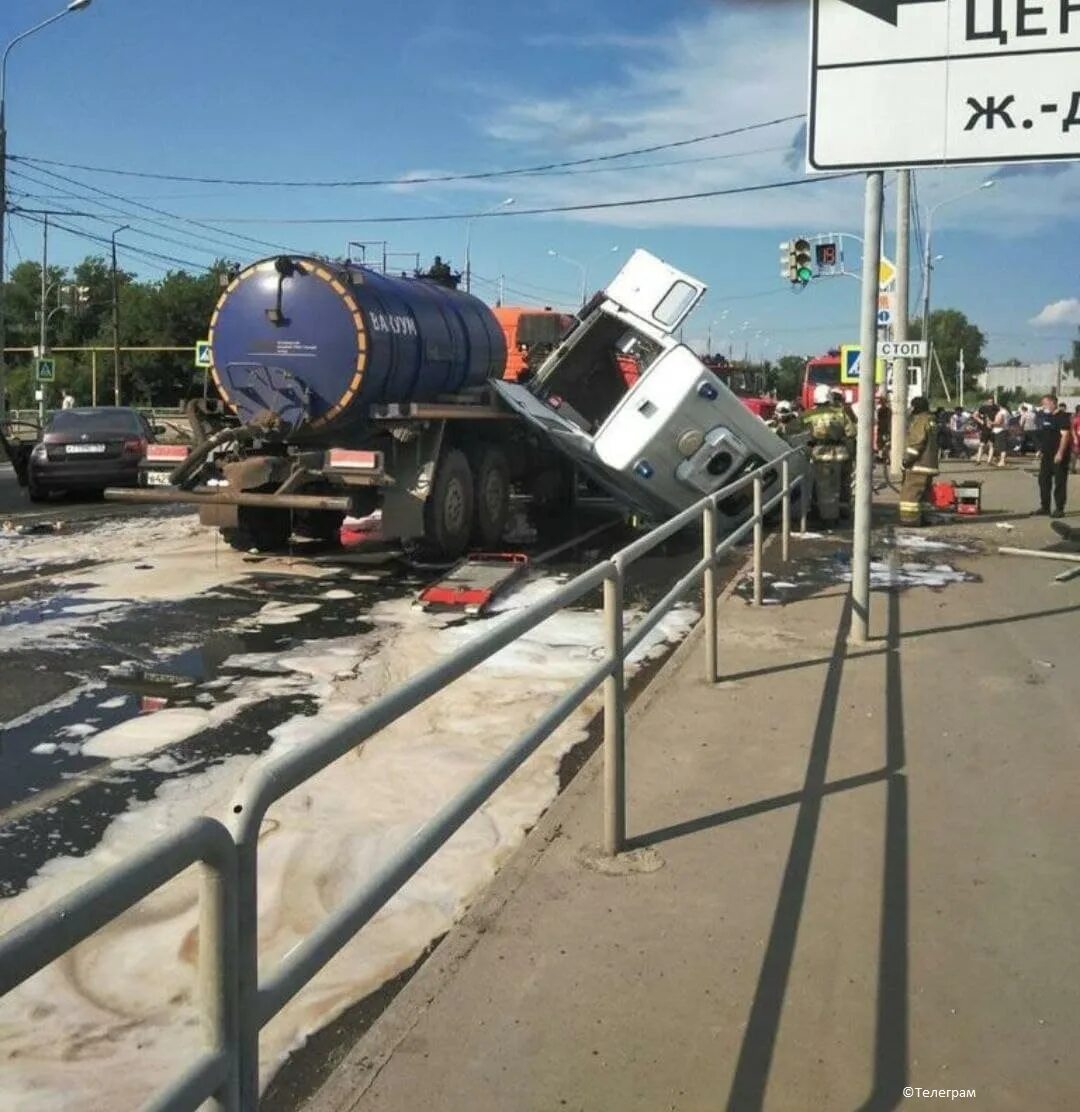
[829,430]
[920,462]
[785,420]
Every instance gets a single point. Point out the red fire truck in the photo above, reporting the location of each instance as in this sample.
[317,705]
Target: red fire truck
[824,370]
[746,383]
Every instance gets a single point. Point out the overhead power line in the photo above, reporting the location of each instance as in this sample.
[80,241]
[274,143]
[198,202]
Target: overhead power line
[129,248]
[176,217]
[791,183]
[477,175]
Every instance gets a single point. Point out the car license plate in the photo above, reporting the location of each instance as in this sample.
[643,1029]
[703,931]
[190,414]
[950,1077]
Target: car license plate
[157,478]
[85,449]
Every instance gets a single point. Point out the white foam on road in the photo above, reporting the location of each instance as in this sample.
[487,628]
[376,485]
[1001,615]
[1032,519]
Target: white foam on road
[109,1024]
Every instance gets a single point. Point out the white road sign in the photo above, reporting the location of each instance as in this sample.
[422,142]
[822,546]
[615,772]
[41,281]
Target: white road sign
[927,82]
[906,349]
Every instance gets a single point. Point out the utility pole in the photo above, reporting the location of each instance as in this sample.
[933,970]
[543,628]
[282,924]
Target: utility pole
[898,433]
[864,448]
[116,318]
[43,324]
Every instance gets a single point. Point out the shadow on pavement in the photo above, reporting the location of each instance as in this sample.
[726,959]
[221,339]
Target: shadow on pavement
[759,1041]
[891,1033]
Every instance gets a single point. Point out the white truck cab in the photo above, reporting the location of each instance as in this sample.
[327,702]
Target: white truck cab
[637,409]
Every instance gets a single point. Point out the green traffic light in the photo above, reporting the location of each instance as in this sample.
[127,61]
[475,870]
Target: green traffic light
[804,274]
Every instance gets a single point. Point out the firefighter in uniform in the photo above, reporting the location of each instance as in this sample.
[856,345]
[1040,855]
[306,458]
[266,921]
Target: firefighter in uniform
[829,430]
[785,420]
[920,462]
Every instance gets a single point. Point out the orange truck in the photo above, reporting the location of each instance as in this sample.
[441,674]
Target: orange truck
[531,334]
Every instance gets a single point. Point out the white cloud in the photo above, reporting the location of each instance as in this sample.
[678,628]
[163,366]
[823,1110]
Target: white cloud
[734,65]
[1066,311]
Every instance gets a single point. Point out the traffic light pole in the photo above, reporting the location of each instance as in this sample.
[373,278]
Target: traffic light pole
[898,438]
[864,446]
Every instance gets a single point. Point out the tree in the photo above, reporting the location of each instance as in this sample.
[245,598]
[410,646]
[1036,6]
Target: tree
[950,333]
[171,312]
[786,376]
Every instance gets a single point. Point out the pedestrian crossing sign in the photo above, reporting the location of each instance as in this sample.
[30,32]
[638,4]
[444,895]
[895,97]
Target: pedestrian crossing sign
[203,354]
[46,370]
[851,366]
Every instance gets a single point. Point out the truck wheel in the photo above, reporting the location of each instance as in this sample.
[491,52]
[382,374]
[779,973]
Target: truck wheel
[259,528]
[448,512]
[491,498]
[320,525]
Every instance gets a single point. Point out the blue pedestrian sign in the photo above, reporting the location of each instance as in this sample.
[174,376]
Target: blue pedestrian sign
[46,370]
[851,365]
[203,354]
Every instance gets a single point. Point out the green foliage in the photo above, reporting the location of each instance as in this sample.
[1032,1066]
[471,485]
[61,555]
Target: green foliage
[173,311]
[951,332]
[786,376]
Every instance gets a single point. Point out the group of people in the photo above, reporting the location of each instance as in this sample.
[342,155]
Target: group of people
[832,427]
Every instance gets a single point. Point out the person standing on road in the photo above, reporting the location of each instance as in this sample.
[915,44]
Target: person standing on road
[69,400]
[884,427]
[920,462]
[984,418]
[1054,433]
[1027,429]
[1076,439]
[1000,429]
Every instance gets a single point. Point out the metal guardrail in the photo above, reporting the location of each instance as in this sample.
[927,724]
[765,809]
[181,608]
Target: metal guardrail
[237,1001]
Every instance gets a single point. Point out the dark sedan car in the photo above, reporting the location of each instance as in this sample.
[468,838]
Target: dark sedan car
[87,450]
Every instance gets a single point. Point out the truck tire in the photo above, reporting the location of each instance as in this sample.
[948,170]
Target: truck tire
[448,512]
[491,498]
[262,529]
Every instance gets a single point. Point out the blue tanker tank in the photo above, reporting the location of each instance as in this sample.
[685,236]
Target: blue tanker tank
[314,344]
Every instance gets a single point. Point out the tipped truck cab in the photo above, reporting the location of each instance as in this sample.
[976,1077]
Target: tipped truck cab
[660,440]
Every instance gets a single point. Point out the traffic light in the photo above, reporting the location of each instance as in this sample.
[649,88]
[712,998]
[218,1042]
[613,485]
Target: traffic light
[796,261]
[803,259]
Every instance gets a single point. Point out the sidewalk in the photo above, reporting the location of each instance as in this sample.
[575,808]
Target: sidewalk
[868,878]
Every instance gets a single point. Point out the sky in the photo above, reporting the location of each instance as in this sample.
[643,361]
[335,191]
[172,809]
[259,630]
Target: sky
[274,90]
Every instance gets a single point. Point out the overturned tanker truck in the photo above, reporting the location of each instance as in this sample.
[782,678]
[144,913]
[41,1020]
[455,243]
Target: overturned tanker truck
[345,391]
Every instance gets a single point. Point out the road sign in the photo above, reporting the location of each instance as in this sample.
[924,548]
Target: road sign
[851,365]
[46,370]
[927,82]
[884,318]
[203,354]
[905,349]
[886,274]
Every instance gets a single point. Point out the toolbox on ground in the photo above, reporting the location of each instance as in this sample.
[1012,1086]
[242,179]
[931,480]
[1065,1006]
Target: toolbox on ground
[969,497]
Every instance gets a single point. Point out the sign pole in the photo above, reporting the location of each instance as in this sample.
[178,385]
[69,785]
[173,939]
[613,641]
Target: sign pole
[864,446]
[898,438]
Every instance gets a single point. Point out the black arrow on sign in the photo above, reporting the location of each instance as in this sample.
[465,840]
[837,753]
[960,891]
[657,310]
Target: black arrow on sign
[886,10]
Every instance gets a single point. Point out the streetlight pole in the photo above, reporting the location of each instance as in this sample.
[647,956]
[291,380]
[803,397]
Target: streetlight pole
[116,317]
[73,6]
[504,203]
[928,266]
[583,268]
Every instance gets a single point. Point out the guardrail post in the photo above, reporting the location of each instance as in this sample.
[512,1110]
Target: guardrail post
[247,965]
[785,528]
[806,493]
[218,972]
[759,539]
[708,528]
[614,719]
